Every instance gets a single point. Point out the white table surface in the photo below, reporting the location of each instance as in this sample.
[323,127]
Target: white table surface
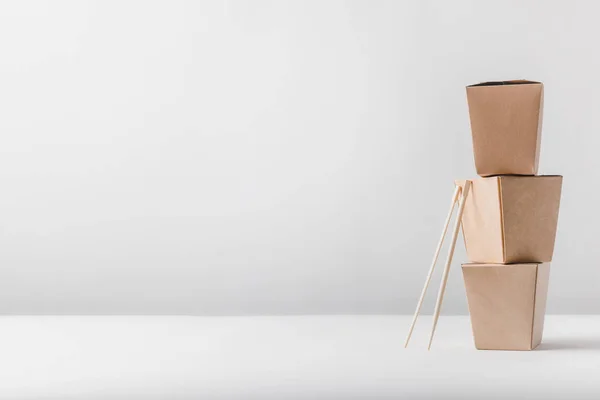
[303,357]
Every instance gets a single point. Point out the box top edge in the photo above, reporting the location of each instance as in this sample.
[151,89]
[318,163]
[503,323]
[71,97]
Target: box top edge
[520,176]
[501,265]
[505,83]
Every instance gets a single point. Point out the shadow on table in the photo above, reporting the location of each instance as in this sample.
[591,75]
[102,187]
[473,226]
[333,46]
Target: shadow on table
[571,344]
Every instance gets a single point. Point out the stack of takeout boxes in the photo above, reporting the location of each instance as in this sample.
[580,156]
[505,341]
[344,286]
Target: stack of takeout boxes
[510,217]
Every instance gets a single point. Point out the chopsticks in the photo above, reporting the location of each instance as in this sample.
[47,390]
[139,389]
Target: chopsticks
[461,206]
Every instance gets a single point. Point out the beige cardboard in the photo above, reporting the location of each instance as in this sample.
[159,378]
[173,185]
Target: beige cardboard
[506,124]
[543,278]
[512,219]
[507,304]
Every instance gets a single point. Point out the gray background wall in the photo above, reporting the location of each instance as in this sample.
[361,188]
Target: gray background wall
[267,157]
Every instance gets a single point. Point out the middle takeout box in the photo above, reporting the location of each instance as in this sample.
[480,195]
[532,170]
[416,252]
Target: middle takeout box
[510,219]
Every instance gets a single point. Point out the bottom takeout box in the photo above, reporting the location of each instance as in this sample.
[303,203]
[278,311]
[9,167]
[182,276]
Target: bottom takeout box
[507,304]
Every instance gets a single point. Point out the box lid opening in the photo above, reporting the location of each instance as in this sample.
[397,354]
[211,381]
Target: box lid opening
[503,83]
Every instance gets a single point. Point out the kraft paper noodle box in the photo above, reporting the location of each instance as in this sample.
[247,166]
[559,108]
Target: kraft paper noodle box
[511,219]
[507,304]
[506,125]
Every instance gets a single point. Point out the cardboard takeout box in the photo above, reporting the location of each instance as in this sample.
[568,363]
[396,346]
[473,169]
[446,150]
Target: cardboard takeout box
[507,304]
[506,124]
[510,219]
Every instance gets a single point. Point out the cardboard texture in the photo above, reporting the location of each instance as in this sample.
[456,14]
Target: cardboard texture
[511,219]
[506,124]
[507,304]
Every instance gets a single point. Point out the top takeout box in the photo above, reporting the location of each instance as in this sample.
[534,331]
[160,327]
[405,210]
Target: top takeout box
[506,125]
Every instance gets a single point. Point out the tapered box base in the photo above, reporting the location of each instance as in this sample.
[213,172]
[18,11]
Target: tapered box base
[507,304]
